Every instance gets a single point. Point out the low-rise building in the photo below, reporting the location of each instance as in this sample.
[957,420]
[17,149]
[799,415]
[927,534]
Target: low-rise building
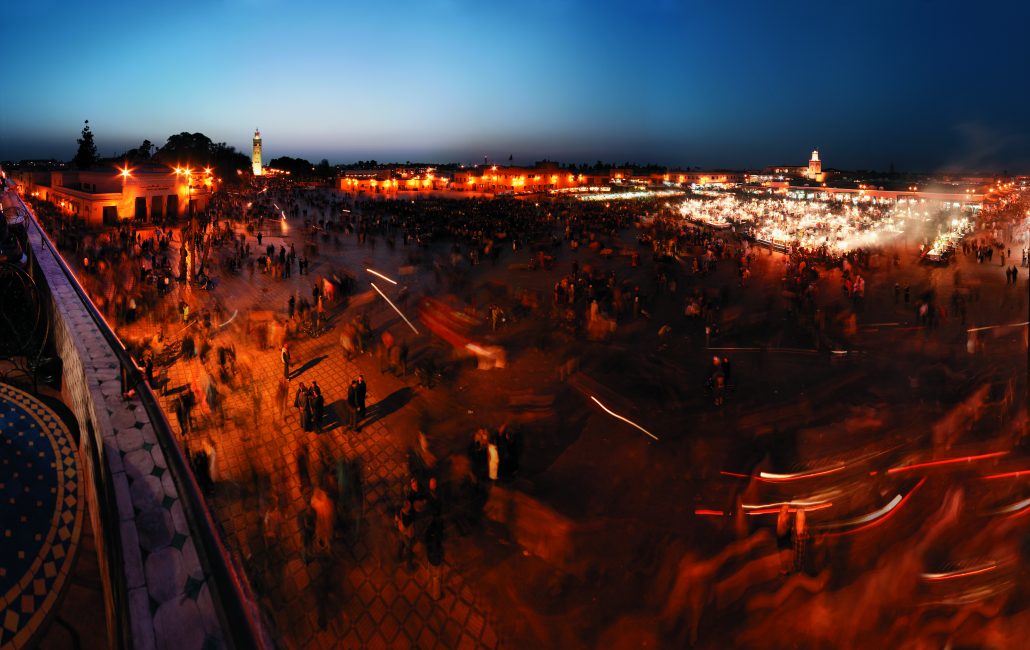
[107,196]
[696,177]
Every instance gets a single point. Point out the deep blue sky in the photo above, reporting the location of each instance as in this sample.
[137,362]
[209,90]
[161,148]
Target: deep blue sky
[926,85]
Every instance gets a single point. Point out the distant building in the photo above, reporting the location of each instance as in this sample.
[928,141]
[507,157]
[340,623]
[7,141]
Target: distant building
[389,181]
[255,156]
[107,196]
[696,177]
[813,171]
[815,168]
[543,177]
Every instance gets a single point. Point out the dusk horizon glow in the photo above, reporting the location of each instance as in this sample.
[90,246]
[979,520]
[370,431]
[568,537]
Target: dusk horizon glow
[922,87]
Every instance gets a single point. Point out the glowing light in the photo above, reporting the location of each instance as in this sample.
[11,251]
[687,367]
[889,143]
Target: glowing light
[626,420]
[874,518]
[801,475]
[1015,507]
[704,512]
[735,475]
[811,219]
[622,196]
[949,461]
[773,511]
[390,302]
[231,318]
[381,275]
[780,504]
[991,327]
[1022,472]
[962,573]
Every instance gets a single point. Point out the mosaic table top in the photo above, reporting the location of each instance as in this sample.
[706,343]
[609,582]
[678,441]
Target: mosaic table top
[41,510]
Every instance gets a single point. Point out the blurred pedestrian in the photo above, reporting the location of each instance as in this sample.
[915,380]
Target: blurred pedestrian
[284,354]
[405,520]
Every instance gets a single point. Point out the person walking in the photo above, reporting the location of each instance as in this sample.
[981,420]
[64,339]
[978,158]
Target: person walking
[784,540]
[434,552]
[284,354]
[323,508]
[405,520]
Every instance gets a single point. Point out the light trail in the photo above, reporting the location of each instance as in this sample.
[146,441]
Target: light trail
[778,504]
[773,511]
[800,475]
[1022,472]
[381,275]
[949,461]
[1015,507]
[874,518]
[704,512]
[962,573]
[231,319]
[390,302]
[627,421]
[994,327]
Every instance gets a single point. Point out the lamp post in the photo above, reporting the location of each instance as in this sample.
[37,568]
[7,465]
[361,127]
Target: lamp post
[189,192]
[125,173]
[188,174]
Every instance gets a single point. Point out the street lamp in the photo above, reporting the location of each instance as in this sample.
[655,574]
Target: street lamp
[188,173]
[125,173]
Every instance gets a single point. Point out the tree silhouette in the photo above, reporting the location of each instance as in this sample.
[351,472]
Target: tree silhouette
[86,156]
[197,150]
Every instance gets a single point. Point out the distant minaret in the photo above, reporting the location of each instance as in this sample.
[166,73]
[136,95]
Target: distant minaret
[815,166]
[255,157]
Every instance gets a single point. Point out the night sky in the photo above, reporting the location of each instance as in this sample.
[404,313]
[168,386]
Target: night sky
[925,85]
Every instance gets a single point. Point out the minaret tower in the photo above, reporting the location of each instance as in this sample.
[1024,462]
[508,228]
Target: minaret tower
[255,157]
[815,166]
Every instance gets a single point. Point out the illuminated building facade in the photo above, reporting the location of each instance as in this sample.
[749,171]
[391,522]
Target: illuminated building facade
[813,171]
[544,177]
[678,177]
[255,155]
[107,196]
[391,181]
[815,168]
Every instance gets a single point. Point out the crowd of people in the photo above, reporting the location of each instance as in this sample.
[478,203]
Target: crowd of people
[684,288]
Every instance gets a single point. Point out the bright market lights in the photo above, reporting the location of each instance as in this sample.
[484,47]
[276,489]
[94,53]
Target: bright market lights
[626,196]
[834,226]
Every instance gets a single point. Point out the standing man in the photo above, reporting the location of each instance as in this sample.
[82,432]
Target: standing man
[284,354]
[362,391]
[352,404]
[319,406]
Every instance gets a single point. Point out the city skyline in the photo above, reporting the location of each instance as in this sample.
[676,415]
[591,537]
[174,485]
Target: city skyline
[932,88]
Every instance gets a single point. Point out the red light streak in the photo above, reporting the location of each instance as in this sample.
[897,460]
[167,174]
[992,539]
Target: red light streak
[949,461]
[886,515]
[1022,472]
[709,513]
[773,511]
[768,476]
[959,574]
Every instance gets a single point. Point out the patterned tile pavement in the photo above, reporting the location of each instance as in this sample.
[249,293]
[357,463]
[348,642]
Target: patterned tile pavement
[367,598]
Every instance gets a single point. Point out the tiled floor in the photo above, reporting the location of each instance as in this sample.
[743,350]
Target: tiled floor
[369,600]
